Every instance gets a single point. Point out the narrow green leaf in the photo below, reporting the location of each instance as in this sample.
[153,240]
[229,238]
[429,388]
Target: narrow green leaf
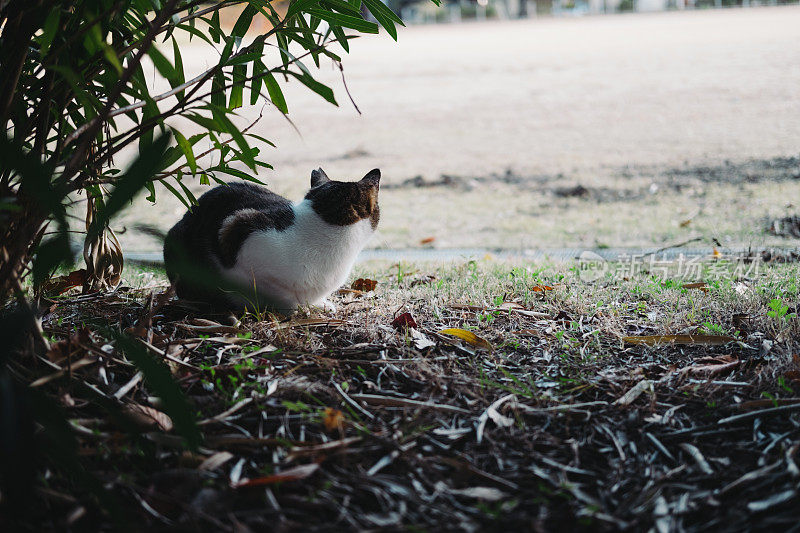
[111,57]
[378,6]
[283,46]
[262,139]
[255,85]
[207,123]
[346,21]
[237,173]
[247,156]
[300,6]
[194,32]
[308,33]
[180,76]
[77,86]
[149,111]
[218,90]
[228,50]
[237,89]
[49,30]
[152,189]
[341,38]
[319,88]
[186,190]
[177,195]
[214,28]
[275,93]
[186,147]
[244,21]
[341,6]
[163,66]
[240,59]
[385,16]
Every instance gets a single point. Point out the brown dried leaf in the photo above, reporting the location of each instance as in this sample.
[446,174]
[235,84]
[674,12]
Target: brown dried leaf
[629,397]
[67,347]
[541,288]
[292,474]
[333,419]
[653,340]
[325,448]
[715,367]
[467,307]
[702,285]
[200,325]
[61,284]
[364,284]
[309,323]
[354,292]
[404,321]
[147,416]
[137,331]
[215,461]
[55,375]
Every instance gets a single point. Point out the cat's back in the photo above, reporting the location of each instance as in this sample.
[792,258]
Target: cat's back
[224,200]
[203,232]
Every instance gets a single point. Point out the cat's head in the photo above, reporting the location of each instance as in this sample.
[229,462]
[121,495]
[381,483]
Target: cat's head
[342,203]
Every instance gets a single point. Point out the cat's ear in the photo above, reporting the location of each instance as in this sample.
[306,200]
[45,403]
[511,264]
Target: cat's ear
[318,177]
[373,177]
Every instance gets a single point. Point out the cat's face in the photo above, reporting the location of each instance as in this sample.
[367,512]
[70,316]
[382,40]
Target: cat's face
[342,203]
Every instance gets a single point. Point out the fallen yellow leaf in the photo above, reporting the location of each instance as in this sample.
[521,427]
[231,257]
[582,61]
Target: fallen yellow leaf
[468,337]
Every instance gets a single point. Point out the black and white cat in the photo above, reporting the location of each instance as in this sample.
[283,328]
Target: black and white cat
[243,242]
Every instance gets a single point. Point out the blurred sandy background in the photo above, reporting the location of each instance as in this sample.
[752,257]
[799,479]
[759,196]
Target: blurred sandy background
[619,130]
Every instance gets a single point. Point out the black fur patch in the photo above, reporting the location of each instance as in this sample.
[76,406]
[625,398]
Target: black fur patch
[194,242]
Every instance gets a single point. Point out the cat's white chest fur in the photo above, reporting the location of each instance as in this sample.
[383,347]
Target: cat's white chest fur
[302,264]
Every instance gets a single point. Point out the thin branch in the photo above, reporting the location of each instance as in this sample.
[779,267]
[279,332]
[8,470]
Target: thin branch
[138,105]
[346,89]
[187,18]
[202,78]
[133,134]
[166,174]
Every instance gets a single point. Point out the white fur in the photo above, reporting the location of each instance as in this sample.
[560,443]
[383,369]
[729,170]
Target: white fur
[303,264]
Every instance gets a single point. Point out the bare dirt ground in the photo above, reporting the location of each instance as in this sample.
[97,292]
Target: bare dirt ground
[626,130]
